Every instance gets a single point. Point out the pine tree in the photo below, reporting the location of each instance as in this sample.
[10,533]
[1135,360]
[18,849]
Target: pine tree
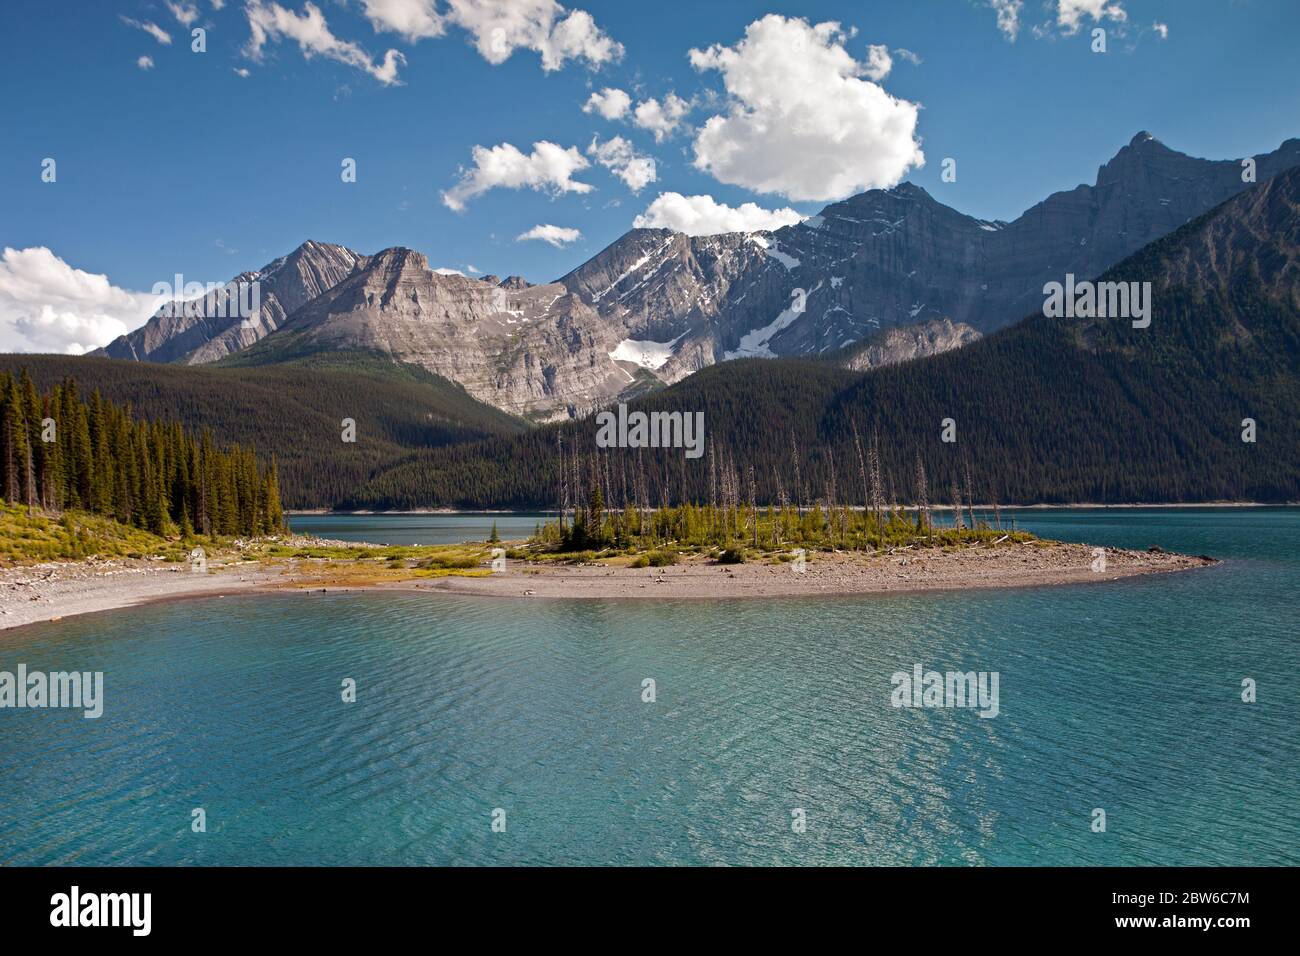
[149,475]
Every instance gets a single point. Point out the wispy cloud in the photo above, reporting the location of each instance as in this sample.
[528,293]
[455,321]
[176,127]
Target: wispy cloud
[272,22]
[151,28]
[558,236]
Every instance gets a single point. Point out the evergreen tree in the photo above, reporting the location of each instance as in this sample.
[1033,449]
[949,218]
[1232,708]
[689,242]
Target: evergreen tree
[150,475]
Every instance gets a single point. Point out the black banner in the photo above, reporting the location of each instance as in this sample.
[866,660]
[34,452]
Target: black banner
[337,905]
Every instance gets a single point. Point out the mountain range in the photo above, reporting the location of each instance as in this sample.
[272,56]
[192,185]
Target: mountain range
[867,279]
[1198,406]
[1046,410]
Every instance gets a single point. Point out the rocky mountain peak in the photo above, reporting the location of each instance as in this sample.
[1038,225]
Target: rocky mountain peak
[398,259]
[215,327]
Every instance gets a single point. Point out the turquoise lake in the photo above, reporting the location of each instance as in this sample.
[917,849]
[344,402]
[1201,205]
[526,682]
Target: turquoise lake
[1124,696]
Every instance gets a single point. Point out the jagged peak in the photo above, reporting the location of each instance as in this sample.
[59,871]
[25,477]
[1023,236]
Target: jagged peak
[315,246]
[906,191]
[909,188]
[1144,142]
[399,257]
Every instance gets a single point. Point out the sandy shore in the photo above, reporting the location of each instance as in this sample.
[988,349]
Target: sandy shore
[52,591]
[1007,565]
[46,592]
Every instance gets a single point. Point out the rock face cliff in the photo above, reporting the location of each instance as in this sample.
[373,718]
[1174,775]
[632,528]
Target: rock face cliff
[895,257]
[903,343]
[656,305]
[211,329]
[533,350]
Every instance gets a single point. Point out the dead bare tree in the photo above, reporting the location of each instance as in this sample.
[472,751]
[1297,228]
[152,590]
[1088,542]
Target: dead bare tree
[798,481]
[830,491]
[713,492]
[784,502]
[877,493]
[753,502]
[862,475]
[733,497]
[564,484]
[623,483]
[922,497]
[608,491]
[970,495]
[642,495]
[686,489]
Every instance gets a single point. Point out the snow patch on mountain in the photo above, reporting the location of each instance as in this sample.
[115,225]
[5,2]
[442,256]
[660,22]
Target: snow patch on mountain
[647,354]
[754,344]
[773,249]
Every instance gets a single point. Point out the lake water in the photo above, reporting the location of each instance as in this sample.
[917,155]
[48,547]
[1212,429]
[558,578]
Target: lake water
[1123,696]
[418,528]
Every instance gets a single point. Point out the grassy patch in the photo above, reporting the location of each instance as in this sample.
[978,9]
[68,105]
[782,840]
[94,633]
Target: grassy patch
[29,538]
[654,559]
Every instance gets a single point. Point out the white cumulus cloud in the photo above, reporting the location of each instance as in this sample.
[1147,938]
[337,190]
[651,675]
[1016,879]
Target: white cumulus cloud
[558,236]
[1070,13]
[610,103]
[1008,12]
[270,21]
[705,216]
[803,122]
[48,306]
[621,158]
[662,119]
[500,27]
[548,168]
[145,63]
[412,19]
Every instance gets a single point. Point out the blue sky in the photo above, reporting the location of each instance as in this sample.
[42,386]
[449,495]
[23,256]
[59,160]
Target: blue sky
[182,164]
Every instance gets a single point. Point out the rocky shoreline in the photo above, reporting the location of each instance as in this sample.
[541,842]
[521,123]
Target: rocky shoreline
[49,592]
[1034,564]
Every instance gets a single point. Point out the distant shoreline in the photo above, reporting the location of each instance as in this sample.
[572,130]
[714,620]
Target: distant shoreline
[326,513]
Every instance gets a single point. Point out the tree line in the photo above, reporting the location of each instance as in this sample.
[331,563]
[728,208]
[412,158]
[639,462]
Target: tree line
[61,452]
[296,410]
[605,499]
